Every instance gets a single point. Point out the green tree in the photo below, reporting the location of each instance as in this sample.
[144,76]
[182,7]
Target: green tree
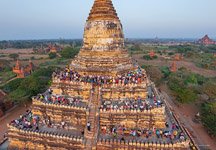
[69,52]
[147,57]
[11,86]
[209,88]
[14,56]
[182,93]
[166,71]
[186,95]
[192,79]
[155,74]
[171,53]
[208,117]
[52,55]
[21,90]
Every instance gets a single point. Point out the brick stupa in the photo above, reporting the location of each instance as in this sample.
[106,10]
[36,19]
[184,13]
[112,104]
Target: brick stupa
[101,101]
[103,51]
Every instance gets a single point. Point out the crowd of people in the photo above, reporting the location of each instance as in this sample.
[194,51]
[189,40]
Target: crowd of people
[172,132]
[67,74]
[26,121]
[59,99]
[130,104]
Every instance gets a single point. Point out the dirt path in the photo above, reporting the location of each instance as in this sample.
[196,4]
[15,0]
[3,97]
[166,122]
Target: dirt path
[189,65]
[8,117]
[2,92]
[8,81]
[186,114]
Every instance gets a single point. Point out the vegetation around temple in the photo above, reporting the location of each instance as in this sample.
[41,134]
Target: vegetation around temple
[69,52]
[188,87]
[21,90]
[208,117]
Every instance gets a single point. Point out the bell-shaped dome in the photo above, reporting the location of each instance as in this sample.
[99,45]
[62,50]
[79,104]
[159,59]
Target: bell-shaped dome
[103,49]
[103,30]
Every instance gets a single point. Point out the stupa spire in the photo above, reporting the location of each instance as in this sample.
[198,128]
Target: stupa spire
[103,51]
[102,9]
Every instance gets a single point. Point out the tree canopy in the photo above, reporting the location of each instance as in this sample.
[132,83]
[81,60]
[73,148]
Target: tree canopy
[69,52]
[183,92]
[209,88]
[208,117]
[52,55]
[21,90]
[14,56]
[154,73]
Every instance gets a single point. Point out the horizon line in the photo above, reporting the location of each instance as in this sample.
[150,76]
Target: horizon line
[144,38]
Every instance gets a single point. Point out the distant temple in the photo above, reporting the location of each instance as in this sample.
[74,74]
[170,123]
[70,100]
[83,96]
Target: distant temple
[152,54]
[21,71]
[178,57]
[49,48]
[54,48]
[206,41]
[173,67]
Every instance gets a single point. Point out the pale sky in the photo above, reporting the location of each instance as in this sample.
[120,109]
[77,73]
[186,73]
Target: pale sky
[53,19]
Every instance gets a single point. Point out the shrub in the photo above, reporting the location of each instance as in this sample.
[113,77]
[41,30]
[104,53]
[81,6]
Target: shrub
[14,56]
[21,90]
[52,55]
[208,117]
[209,88]
[69,52]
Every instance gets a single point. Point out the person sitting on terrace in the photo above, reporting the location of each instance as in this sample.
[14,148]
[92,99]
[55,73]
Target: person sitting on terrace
[165,134]
[129,104]
[26,121]
[56,99]
[67,74]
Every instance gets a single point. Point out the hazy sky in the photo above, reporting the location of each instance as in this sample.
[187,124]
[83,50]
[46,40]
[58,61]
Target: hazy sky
[51,19]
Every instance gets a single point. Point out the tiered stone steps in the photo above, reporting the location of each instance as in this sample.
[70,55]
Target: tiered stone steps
[93,119]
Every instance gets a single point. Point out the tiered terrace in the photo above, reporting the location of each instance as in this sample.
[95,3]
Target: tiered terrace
[127,124]
[101,101]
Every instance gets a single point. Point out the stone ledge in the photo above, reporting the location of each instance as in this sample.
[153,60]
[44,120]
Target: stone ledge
[160,110]
[36,102]
[141,144]
[34,133]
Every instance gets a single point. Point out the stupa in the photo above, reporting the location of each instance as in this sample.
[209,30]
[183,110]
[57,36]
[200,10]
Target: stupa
[102,100]
[173,67]
[103,51]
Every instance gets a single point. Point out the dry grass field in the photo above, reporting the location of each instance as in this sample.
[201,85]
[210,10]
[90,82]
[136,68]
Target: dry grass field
[12,50]
[24,56]
[183,63]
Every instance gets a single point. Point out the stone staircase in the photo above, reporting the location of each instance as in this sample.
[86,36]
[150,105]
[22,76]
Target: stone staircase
[93,119]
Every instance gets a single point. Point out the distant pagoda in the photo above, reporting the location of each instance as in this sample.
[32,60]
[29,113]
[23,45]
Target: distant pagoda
[21,71]
[173,67]
[206,40]
[101,101]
